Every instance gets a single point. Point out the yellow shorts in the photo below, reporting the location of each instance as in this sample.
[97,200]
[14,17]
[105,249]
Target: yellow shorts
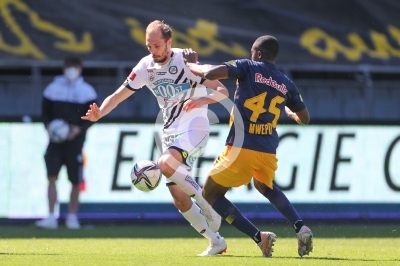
[235,167]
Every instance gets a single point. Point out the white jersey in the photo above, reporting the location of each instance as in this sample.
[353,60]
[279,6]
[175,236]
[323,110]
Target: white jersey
[172,84]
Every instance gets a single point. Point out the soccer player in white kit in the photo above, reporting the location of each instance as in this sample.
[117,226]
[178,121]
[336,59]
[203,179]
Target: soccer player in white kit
[183,99]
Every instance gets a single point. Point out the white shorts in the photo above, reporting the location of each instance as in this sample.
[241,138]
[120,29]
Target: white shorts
[190,144]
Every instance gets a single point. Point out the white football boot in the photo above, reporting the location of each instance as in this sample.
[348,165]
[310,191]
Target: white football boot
[47,223]
[72,222]
[214,249]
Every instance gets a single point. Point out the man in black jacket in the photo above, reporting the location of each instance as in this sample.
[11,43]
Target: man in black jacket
[67,98]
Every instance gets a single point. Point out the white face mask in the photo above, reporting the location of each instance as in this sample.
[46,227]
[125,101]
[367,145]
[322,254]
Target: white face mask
[71,73]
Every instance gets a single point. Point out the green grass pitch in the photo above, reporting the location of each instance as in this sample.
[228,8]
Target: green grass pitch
[178,245]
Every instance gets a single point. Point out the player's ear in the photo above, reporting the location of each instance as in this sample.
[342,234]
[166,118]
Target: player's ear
[259,54]
[169,43]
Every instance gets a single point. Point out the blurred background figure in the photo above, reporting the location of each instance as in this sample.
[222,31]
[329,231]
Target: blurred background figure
[66,98]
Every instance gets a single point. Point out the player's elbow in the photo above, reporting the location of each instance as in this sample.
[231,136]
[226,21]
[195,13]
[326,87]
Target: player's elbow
[224,91]
[303,116]
[216,72]
[305,121]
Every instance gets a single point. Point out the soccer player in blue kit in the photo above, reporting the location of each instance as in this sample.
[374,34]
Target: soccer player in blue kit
[262,93]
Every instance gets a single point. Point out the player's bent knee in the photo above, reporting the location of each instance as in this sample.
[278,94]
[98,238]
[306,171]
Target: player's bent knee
[212,191]
[209,197]
[206,196]
[165,167]
[261,187]
[168,164]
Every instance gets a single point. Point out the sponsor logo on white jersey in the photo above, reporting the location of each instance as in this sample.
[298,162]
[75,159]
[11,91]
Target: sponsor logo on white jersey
[170,91]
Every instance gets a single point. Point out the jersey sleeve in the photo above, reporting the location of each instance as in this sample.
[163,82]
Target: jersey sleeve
[236,68]
[294,101]
[135,81]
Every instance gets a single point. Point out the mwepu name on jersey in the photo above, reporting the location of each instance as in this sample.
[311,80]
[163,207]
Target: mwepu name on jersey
[261,129]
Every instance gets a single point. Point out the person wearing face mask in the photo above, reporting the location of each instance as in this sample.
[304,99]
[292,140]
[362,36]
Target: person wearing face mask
[67,97]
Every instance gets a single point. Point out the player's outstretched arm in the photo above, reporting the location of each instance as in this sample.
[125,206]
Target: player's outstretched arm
[95,113]
[210,72]
[220,93]
[301,117]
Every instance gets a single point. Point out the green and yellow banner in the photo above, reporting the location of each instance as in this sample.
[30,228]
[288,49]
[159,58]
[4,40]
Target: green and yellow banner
[309,31]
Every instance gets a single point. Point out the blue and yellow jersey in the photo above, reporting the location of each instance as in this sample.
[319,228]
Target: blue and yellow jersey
[261,95]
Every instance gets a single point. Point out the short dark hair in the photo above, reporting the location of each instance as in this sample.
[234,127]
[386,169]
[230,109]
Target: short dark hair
[269,46]
[165,29]
[72,61]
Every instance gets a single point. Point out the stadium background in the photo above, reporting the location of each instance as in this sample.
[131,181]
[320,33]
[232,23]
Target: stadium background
[343,55]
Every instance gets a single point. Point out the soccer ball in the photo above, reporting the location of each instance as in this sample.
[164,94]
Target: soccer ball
[58,130]
[146,175]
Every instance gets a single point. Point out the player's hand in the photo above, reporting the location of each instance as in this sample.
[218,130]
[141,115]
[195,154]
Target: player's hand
[93,114]
[190,56]
[195,103]
[73,132]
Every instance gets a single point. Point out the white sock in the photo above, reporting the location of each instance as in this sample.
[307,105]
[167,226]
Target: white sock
[198,222]
[182,178]
[51,216]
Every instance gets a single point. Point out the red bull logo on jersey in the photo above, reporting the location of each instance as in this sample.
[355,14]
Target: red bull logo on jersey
[270,82]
